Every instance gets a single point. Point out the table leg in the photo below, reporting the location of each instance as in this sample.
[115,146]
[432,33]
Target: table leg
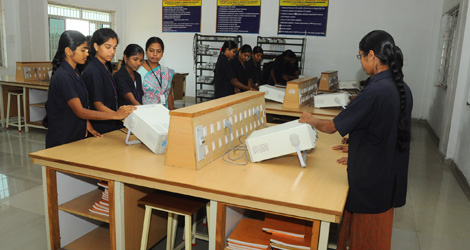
[220,228]
[2,114]
[26,117]
[52,208]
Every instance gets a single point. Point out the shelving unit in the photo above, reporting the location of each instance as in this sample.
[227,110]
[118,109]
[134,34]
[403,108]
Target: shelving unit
[206,50]
[71,198]
[36,100]
[274,46]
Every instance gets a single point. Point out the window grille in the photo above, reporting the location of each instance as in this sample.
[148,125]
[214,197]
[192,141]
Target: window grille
[70,17]
[450,21]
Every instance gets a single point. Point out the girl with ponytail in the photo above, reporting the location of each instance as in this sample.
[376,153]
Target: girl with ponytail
[378,122]
[67,100]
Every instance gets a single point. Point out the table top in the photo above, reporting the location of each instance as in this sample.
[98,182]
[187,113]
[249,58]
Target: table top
[278,185]
[276,108]
[11,80]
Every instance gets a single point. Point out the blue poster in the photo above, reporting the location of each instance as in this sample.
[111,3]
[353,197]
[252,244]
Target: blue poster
[181,19]
[233,18]
[302,18]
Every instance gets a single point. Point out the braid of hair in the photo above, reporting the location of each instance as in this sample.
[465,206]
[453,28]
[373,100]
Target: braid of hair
[396,64]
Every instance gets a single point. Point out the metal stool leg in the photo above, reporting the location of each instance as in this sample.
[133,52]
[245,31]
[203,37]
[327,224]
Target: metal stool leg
[18,102]
[193,234]
[8,111]
[145,231]
[173,234]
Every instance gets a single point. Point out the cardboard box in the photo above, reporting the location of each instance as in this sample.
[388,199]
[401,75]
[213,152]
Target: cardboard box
[329,81]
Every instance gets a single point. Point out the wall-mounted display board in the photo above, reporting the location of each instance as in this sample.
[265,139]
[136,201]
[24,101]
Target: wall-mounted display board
[181,15]
[238,16]
[303,17]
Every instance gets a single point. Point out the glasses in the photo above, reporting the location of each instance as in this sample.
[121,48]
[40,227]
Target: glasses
[360,55]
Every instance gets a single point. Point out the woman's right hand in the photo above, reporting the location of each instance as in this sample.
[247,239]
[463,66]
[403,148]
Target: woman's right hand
[124,111]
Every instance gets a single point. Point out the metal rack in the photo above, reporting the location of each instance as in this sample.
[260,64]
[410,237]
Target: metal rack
[274,46]
[206,49]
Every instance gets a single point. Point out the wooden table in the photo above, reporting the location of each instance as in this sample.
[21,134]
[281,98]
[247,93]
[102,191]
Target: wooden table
[275,108]
[317,192]
[11,82]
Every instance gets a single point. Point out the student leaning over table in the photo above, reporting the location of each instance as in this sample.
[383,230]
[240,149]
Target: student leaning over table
[240,69]
[156,78]
[99,80]
[253,65]
[378,122]
[68,113]
[128,81]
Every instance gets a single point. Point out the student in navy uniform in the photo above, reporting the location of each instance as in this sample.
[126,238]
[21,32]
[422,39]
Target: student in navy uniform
[284,68]
[99,80]
[240,70]
[224,77]
[253,65]
[67,100]
[378,122]
[128,81]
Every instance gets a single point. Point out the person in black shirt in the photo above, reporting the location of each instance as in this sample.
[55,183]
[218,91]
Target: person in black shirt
[128,81]
[99,80]
[378,122]
[224,78]
[253,65]
[240,70]
[67,99]
[284,68]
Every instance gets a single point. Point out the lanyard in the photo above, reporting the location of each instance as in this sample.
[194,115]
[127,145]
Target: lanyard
[114,88]
[159,81]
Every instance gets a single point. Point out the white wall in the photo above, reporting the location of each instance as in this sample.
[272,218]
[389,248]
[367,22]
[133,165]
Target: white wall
[27,31]
[414,24]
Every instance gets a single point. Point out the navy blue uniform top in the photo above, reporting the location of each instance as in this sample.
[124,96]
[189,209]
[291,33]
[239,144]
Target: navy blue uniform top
[239,71]
[282,67]
[101,88]
[63,125]
[125,85]
[223,73]
[254,71]
[377,170]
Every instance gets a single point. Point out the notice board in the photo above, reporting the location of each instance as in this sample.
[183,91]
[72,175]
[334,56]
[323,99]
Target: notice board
[303,17]
[181,15]
[238,16]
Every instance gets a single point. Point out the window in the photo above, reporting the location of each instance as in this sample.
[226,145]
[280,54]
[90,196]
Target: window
[450,24]
[62,18]
[2,40]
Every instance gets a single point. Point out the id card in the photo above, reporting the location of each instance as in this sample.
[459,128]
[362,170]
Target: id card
[163,99]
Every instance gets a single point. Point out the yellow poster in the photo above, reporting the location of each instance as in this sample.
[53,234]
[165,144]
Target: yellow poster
[239,2]
[176,3]
[311,3]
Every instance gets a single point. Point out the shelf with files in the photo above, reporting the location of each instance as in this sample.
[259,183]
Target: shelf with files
[206,49]
[274,46]
[76,226]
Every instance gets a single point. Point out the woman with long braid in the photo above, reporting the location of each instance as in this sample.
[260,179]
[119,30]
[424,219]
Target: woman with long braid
[378,122]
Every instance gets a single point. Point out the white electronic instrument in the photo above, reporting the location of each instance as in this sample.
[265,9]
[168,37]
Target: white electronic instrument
[150,124]
[349,85]
[331,100]
[282,139]
[273,93]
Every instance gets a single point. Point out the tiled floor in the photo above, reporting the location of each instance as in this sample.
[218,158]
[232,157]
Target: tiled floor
[436,216]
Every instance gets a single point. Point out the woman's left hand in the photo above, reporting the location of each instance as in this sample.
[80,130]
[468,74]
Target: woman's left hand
[91,130]
[341,148]
[342,160]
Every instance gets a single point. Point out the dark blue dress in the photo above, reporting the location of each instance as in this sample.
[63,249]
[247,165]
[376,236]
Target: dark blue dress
[377,169]
[125,85]
[101,87]
[64,126]
[223,73]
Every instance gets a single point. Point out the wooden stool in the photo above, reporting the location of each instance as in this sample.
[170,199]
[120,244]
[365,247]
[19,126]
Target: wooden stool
[19,95]
[174,205]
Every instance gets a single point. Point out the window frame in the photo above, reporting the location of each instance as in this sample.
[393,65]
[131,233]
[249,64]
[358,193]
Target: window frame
[81,10]
[450,21]
[3,50]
